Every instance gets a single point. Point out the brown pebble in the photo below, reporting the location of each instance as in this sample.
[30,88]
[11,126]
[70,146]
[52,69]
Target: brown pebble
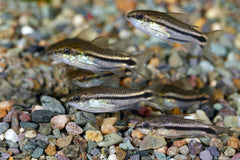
[59,122]
[63,142]
[172,151]
[110,120]
[216,142]
[154,62]
[126,5]
[121,154]
[217,94]
[137,134]
[6,105]
[51,150]
[126,82]
[15,122]
[179,143]
[107,129]
[3,113]
[236,81]
[73,128]
[161,149]
[176,110]
[94,136]
[233,142]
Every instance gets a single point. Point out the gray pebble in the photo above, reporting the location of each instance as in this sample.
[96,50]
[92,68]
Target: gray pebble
[45,128]
[3,127]
[145,158]
[126,145]
[80,118]
[14,150]
[28,125]
[30,146]
[89,126]
[110,139]
[71,151]
[42,144]
[213,150]
[95,152]
[91,145]
[205,155]
[11,144]
[135,157]
[184,150]
[160,156]
[218,49]
[90,117]
[5,155]
[194,147]
[37,152]
[52,104]
[57,133]
[42,116]
[229,151]
[182,157]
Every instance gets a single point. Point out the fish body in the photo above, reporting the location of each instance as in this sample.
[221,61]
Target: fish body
[175,127]
[108,99]
[168,28]
[91,57]
[173,96]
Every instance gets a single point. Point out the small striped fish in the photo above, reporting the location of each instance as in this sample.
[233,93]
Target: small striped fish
[93,57]
[108,99]
[169,27]
[175,127]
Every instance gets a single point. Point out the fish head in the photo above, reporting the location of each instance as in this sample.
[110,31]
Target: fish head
[144,126]
[137,18]
[75,100]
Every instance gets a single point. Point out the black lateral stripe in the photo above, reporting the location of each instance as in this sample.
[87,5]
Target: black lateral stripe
[98,76]
[202,98]
[129,62]
[122,97]
[200,38]
[175,39]
[195,128]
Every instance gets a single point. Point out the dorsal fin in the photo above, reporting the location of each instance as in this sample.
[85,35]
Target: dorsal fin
[179,16]
[87,34]
[101,41]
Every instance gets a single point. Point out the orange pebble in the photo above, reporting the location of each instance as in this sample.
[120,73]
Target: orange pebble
[137,133]
[179,143]
[176,110]
[233,142]
[126,5]
[6,105]
[50,150]
[236,81]
[3,113]
[107,129]
[217,94]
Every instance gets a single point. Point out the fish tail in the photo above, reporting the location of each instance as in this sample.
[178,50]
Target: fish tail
[141,64]
[211,36]
[221,130]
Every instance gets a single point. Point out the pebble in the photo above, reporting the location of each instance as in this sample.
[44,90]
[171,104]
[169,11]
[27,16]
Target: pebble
[71,151]
[137,133]
[50,150]
[73,128]
[112,150]
[80,119]
[231,121]
[172,151]
[218,106]
[182,157]
[194,147]
[42,116]
[110,121]
[126,145]
[135,157]
[30,146]
[237,41]
[45,128]
[161,149]
[15,122]
[14,150]
[216,142]
[42,144]
[229,151]
[213,150]
[184,150]
[175,60]
[11,135]
[59,122]
[95,152]
[107,129]
[6,105]
[8,117]
[3,127]
[233,142]
[28,125]
[160,156]
[37,152]
[3,113]
[152,142]
[57,133]
[63,142]
[205,155]
[126,5]
[179,143]
[218,49]
[30,133]
[90,117]
[236,157]
[5,155]
[206,66]
[25,117]
[94,136]
[11,144]
[91,145]
[52,104]
[112,157]
[110,139]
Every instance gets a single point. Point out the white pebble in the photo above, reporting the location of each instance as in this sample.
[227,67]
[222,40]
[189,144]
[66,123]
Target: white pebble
[124,34]
[11,135]
[112,157]
[1,137]
[27,30]
[78,20]
[112,150]
[31,133]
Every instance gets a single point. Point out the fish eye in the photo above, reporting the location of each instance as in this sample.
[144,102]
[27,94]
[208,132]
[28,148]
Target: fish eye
[146,125]
[76,98]
[67,51]
[139,16]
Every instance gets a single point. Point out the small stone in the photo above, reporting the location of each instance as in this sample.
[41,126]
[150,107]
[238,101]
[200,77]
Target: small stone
[205,140]
[213,150]
[89,126]
[160,156]
[121,154]
[15,122]
[161,149]
[218,106]
[41,144]
[146,158]
[25,117]
[172,151]
[91,145]
[28,125]
[51,158]
[94,136]
[112,150]
[126,145]
[50,150]
[216,142]
[137,133]
[11,144]
[14,150]
[184,150]
[37,152]
[179,143]
[206,66]
[57,133]
[71,151]
[11,135]
[30,133]
[3,127]
[90,117]
[3,113]
[135,157]
[237,41]
[107,129]
[152,142]
[73,129]
[126,5]
[231,121]
[6,105]
[52,104]
[5,155]
[194,147]
[182,157]
[110,121]
[229,151]
[95,152]
[45,128]
[30,146]
[233,142]
[8,117]
[218,49]
[236,157]
[205,155]
[42,116]
[80,119]
[110,139]
[63,142]
[59,122]
[112,157]
[175,60]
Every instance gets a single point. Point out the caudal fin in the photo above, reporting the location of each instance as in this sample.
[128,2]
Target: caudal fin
[141,62]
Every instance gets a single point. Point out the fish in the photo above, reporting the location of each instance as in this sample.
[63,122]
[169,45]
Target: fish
[103,99]
[171,126]
[95,57]
[170,27]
